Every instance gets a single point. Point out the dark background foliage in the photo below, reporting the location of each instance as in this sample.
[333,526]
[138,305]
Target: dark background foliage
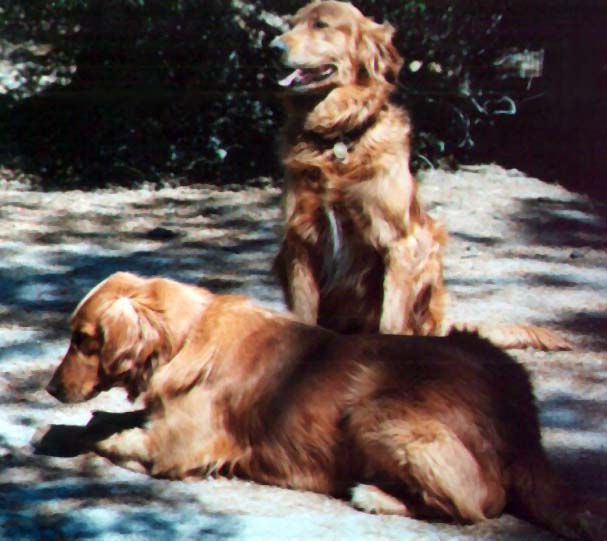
[133,90]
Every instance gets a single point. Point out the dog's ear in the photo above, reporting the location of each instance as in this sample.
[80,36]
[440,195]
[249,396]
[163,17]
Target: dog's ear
[379,59]
[134,337]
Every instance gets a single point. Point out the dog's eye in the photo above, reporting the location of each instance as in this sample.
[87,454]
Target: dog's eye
[78,338]
[81,340]
[86,344]
[319,24]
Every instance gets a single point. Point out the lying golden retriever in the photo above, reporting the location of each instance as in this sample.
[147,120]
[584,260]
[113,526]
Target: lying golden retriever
[359,253]
[439,427]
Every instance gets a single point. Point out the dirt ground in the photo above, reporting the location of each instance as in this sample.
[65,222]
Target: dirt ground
[520,250]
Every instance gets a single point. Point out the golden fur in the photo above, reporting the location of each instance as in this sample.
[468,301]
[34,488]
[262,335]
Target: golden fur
[359,254]
[440,427]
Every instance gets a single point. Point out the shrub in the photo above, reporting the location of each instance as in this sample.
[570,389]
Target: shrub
[145,89]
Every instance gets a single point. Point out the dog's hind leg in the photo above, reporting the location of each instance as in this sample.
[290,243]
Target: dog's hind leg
[426,460]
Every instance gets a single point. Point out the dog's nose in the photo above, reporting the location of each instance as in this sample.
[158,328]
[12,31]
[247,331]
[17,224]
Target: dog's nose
[53,388]
[279,46]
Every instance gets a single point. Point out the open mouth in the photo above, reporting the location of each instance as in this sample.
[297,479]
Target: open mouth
[305,77]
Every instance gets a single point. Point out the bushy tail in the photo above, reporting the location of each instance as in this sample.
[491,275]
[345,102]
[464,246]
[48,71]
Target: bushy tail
[518,336]
[539,496]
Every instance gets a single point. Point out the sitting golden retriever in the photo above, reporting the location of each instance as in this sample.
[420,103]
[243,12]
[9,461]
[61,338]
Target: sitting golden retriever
[359,254]
[439,427]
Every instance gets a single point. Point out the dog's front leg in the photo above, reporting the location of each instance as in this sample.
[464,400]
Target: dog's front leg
[129,449]
[414,294]
[301,291]
[304,292]
[398,298]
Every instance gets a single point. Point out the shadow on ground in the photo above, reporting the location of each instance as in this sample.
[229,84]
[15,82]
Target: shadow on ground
[512,256]
[64,504]
[216,242]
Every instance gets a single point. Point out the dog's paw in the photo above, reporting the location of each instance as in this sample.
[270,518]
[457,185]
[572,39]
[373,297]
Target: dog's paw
[127,448]
[372,499]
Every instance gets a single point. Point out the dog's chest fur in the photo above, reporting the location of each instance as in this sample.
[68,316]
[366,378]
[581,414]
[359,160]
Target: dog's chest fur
[347,198]
[332,188]
[332,219]
[335,218]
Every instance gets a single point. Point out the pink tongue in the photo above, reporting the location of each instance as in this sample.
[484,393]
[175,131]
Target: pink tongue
[291,78]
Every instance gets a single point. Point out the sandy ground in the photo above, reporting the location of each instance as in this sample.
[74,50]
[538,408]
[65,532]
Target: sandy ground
[520,251]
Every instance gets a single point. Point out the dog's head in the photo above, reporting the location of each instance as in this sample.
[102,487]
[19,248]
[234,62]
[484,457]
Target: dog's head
[121,331]
[333,44]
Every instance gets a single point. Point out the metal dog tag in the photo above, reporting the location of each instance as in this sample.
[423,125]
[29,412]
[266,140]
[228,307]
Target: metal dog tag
[341,151]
